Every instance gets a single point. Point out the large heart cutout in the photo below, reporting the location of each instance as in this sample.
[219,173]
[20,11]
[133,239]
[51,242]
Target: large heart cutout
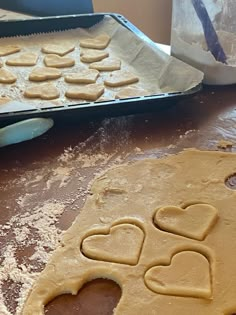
[45,91]
[120,78]
[99,42]
[24,59]
[90,92]
[9,49]
[44,73]
[7,77]
[56,61]
[60,50]
[108,64]
[193,222]
[188,275]
[122,245]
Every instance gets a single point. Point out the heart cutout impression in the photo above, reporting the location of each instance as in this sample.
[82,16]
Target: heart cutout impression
[188,275]
[194,222]
[122,244]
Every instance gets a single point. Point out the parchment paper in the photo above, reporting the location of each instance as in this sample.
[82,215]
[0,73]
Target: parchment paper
[157,71]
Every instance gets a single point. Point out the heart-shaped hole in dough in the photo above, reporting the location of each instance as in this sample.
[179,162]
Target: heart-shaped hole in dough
[122,244]
[189,274]
[194,222]
[96,297]
[56,61]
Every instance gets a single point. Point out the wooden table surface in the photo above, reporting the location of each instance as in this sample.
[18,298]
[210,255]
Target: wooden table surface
[58,166]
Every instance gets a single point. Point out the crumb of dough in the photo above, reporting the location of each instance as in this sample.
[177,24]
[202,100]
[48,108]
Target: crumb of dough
[224,144]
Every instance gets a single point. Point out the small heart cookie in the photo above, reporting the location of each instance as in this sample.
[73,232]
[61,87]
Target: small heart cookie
[56,61]
[60,50]
[93,55]
[193,222]
[89,92]
[187,275]
[25,59]
[99,42]
[7,77]
[44,73]
[84,76]
[120,78]
[4,100]
[130,91]
[122,244]
[109,64]
[9,49]
[45,91]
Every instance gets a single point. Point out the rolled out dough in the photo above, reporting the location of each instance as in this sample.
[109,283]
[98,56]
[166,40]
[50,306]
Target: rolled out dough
[180,269]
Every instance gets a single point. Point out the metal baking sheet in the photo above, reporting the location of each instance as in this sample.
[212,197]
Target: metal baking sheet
[112,107]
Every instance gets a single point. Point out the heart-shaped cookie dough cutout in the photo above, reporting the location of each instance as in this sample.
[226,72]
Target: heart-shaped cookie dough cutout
[193,222]
[7,77]
[8,50]
[45,91]
[130,91]
[108,64]
[25,59]
[44,73]
[60,50]
[4,100]
[85,76]
[93,55]
[122,245]
[188,275]
[89,92]
[99,42]
[120,78]
[56,61]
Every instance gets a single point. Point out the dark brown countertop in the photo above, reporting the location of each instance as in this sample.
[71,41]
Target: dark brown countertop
[58,166]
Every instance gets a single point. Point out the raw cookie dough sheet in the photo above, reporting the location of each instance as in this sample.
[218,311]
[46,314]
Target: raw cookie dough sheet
[163,229]
[157,72]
